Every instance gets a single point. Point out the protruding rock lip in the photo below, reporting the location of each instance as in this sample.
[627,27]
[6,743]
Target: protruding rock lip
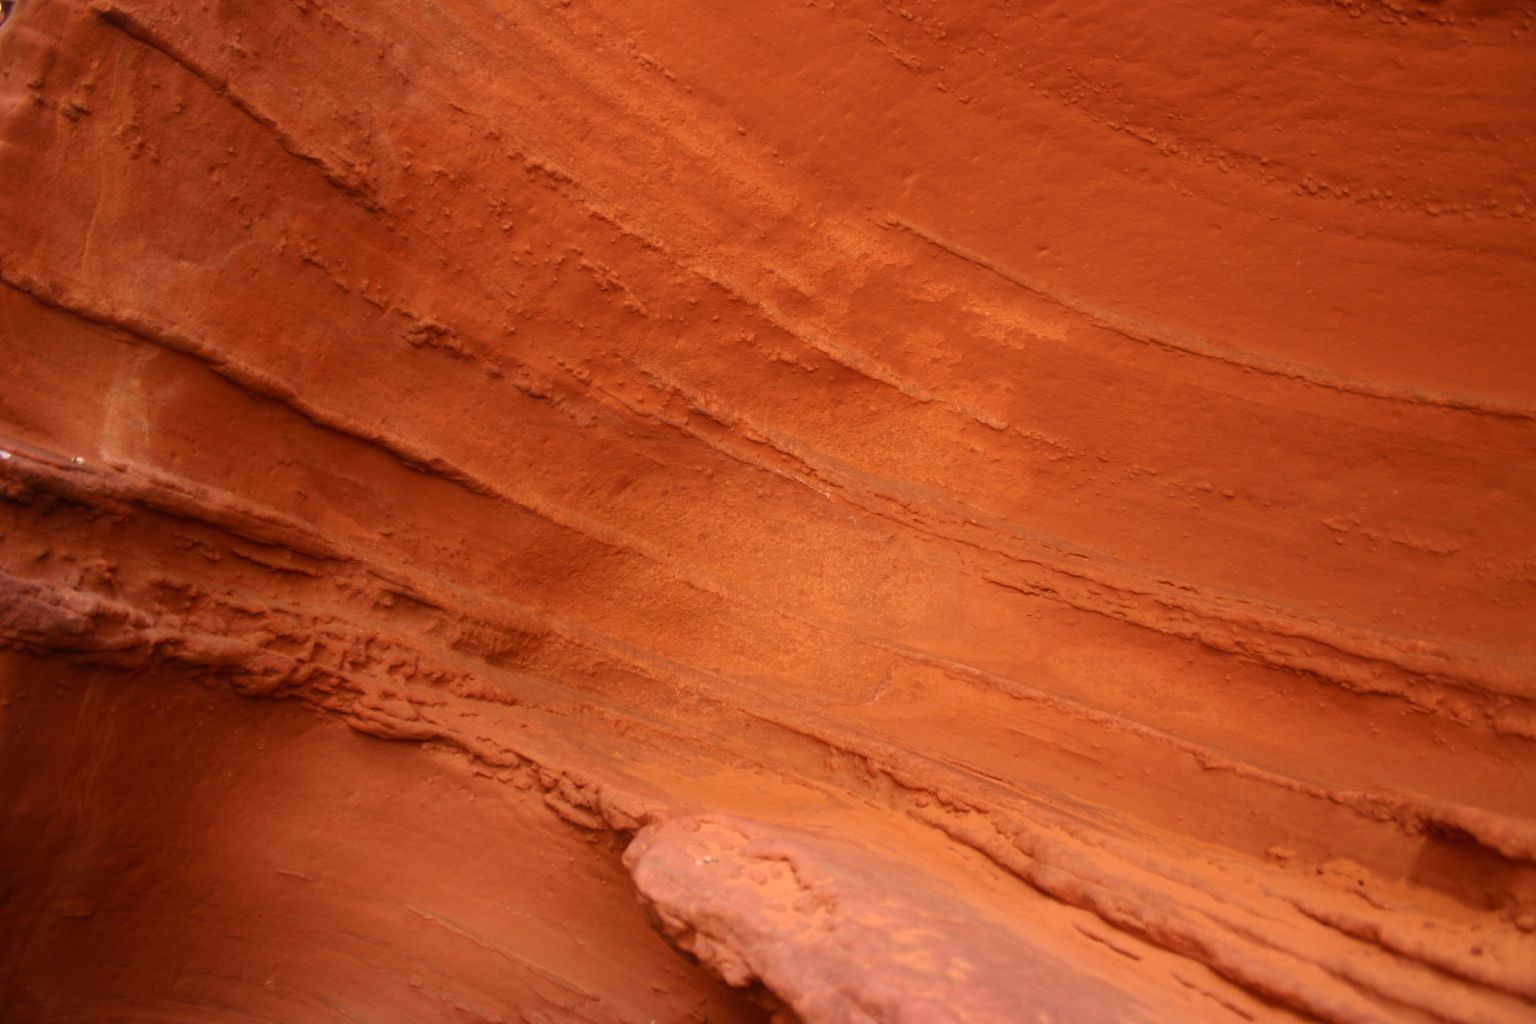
[841,934]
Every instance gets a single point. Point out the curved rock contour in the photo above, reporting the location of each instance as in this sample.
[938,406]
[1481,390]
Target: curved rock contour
[1058,478]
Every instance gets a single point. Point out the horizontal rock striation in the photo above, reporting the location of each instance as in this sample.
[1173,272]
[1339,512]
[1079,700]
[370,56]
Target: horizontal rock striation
[968,512]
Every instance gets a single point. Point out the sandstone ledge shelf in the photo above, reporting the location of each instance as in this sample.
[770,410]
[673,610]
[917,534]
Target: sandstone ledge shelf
[844,512]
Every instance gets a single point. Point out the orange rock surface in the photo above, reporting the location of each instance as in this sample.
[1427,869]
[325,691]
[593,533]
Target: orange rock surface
[854,511]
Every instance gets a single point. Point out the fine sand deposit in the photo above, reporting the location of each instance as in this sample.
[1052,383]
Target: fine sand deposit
[627,511]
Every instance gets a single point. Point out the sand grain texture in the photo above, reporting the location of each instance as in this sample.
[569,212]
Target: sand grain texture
[846,512]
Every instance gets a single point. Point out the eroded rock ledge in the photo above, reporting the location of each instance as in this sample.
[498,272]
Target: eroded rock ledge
[952,512]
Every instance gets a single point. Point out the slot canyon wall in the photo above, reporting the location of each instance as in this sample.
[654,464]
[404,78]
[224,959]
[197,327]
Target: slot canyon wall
[533,511]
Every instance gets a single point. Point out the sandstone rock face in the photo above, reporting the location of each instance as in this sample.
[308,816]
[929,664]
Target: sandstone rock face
[856,511]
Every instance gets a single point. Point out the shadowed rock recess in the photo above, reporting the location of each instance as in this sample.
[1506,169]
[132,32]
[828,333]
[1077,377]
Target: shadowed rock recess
[831,511]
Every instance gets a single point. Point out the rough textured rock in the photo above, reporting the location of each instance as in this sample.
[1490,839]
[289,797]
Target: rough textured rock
[1060,478]
[849,936]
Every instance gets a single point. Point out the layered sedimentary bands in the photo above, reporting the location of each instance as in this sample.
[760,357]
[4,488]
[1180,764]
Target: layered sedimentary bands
[848,511]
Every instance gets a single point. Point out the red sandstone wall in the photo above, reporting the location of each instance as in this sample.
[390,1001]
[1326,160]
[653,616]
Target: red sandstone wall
[1023,508]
